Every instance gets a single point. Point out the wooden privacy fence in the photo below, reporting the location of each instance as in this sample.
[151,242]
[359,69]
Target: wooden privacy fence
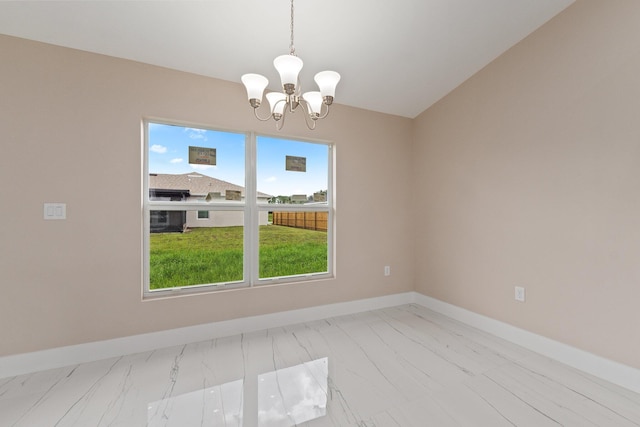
[308,220]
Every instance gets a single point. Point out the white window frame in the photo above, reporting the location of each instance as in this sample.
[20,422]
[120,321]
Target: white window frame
[249,206]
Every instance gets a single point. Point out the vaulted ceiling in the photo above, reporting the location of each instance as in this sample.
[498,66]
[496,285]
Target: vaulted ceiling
[397,57]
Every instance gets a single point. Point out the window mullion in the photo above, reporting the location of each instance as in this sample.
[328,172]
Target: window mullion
[331,204]
[199,206]
[251,213]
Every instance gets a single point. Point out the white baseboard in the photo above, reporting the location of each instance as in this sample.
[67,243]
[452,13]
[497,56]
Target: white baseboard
[70,355]
[614,372]
[606,369]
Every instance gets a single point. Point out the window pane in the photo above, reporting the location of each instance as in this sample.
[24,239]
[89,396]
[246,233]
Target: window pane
[185,253]
[188,164]
[296,243]
[292,171]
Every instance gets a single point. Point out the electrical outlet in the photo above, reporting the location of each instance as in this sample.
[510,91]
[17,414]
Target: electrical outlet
[387,270]
[520,294]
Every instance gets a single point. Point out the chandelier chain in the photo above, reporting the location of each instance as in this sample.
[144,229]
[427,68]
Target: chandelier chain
[292,48]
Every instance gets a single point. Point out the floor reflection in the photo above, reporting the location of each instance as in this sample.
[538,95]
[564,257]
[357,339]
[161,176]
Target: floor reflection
[291,396]
[214,406]
[286,397]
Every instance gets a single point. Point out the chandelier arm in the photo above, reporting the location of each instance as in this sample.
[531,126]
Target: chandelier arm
[255,113]
[284,110]
[307,118]
[326,113]
[280,123]
[313,123]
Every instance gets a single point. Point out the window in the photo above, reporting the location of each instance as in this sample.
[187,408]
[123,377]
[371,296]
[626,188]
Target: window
[296,174]
[229,209]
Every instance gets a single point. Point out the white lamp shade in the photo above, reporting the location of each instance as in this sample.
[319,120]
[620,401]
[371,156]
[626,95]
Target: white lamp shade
[277,107]
[289,67]
[315,101]
[255,84]
[327,82]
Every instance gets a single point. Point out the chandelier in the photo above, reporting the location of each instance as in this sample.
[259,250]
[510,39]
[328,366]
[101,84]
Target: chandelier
[287,101]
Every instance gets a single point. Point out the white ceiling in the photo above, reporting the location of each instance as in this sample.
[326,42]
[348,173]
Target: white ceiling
[396,56]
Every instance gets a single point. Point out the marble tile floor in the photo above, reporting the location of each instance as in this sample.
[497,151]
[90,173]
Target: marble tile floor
[403,366]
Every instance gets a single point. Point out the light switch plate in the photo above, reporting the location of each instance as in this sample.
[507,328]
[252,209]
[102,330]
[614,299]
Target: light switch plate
[55,211]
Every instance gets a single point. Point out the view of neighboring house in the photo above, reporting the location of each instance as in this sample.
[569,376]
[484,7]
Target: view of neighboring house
[196,187]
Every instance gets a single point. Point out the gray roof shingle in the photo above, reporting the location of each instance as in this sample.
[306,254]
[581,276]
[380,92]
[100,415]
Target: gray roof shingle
[197,184]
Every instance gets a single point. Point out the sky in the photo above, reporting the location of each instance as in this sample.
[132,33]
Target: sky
[169,153]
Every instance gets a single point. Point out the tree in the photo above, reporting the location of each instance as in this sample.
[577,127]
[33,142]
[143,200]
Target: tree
[280,199]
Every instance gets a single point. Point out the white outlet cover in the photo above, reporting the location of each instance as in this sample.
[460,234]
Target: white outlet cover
[519,293]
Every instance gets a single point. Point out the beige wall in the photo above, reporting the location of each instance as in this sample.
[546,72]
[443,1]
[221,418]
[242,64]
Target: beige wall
[70,129]
[529,174]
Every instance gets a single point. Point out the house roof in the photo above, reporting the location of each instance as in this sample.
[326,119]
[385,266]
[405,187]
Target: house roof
[196,183]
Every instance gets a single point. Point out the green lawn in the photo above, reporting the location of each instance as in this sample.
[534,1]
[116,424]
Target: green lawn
[214,255]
